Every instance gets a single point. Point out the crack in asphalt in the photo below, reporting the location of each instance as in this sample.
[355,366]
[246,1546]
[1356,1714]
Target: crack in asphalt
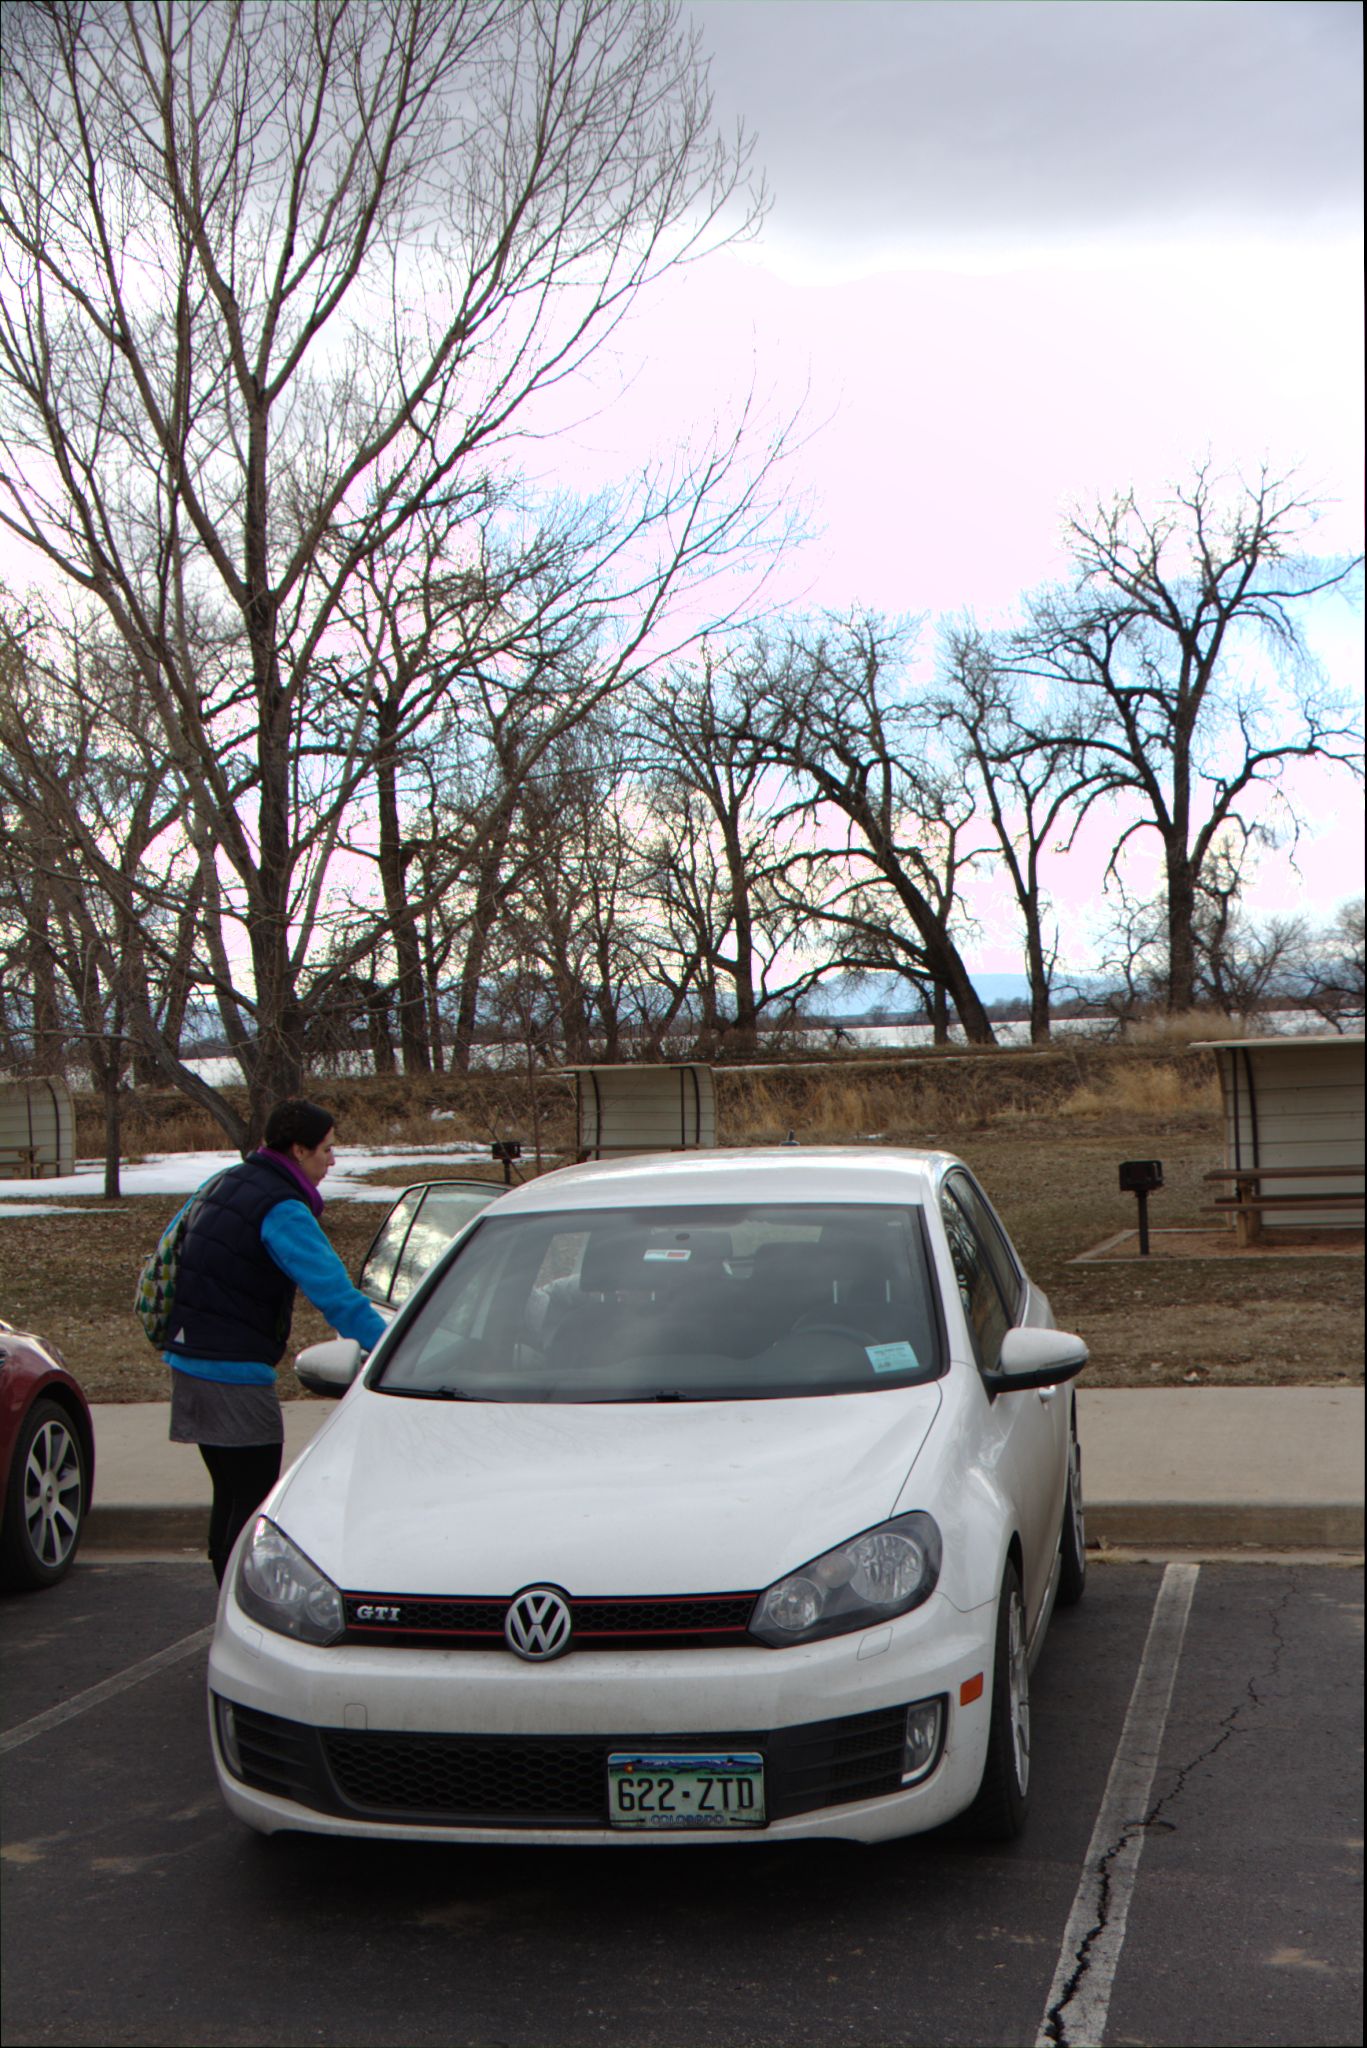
[1055,2027]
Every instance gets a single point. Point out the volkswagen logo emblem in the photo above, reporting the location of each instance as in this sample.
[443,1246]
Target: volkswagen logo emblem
[537,1626]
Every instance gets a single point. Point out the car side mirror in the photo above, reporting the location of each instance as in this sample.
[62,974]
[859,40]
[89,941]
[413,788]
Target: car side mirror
[331,1367]
[1036,1358]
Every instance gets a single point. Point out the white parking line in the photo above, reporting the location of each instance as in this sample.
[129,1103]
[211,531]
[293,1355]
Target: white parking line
[107,1689]
[1080,1996]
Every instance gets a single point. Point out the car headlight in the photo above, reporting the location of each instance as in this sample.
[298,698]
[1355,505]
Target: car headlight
[284,1590]
[885,1572]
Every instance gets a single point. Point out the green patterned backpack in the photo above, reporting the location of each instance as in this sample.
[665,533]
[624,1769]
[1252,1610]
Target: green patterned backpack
[156,1289]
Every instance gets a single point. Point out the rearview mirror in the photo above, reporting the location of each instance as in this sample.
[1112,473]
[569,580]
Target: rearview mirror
[331,1367]
[1036,1358]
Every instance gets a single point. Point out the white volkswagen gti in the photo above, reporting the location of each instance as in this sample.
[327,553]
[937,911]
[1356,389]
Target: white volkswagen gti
[693,1498]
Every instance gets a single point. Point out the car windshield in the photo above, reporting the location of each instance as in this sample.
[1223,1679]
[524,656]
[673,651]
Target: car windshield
[657,1304]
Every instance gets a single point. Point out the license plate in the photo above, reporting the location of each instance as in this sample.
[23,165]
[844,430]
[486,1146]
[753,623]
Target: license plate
[700,1789]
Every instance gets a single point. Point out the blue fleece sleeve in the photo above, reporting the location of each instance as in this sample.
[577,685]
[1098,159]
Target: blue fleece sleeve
[292,1237]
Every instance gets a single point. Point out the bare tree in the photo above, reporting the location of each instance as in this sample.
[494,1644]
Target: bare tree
[278,281]
[862,749]
[1334,976]
[1181,636]
[83,806]
[1037,785]
[569,927]
[1245,966]
[716,858]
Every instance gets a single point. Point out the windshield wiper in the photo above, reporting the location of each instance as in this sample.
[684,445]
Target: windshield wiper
[429,1393]
[666,1394]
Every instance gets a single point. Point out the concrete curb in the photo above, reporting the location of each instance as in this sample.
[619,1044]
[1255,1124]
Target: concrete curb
[1270,1525]
[1278,1525]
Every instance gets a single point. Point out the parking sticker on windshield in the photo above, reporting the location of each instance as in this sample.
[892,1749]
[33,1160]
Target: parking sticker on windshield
[670,1252]
[892,1357]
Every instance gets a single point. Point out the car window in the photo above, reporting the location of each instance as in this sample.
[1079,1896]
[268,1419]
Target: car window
[986,1312]
[678,1304]
[416,1232]
[444,1213]
[378,1266]
[990,1236]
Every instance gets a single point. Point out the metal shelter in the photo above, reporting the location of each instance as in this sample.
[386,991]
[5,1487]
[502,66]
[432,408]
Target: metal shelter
[37,1129]
[644,1109]
[1293,1108]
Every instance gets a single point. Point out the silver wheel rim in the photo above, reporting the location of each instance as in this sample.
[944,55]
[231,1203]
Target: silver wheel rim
[1075,1497]
[52,1494]
[1018,1690]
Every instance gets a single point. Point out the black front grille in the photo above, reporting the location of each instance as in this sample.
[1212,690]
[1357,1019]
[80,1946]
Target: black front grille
[423,1621]
[490,1779]
[547,1781]
[277,1756]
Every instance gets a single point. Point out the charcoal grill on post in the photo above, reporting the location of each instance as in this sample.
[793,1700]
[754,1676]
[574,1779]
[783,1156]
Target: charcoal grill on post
[1140,1177]
[505,1151]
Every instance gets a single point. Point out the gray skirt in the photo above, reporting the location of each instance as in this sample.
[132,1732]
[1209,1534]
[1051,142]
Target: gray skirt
[218,1412]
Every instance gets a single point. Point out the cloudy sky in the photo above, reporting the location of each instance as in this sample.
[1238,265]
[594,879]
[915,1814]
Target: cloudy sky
[1022,254]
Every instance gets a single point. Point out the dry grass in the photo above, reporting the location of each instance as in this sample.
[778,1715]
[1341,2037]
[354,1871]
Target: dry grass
[1145,1091]
[932,1098]
[397,1111]
[1186,1027]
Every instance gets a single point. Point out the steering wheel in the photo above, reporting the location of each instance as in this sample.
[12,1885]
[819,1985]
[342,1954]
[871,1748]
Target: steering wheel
[821,1326]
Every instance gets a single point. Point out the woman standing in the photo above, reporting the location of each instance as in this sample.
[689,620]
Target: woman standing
[252,1238]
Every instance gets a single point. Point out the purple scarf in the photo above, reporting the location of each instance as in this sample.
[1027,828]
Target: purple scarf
[310,1192]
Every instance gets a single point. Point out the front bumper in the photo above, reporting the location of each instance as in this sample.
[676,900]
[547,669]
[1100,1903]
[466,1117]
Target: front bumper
[480,1747]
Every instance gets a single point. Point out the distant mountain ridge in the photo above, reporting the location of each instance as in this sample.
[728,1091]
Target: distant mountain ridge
[854,995]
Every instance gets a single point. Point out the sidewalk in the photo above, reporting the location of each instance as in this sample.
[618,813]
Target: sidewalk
[1278,1467]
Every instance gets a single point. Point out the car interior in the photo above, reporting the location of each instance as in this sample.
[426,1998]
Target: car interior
[644,1306]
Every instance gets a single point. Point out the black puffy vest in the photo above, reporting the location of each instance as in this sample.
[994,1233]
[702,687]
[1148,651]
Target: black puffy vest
[232,1301]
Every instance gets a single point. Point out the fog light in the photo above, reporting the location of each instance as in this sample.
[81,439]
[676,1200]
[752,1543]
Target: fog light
[227,1736]
[921,1749]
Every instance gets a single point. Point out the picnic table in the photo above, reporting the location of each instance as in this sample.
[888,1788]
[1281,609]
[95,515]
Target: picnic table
[1248,1202]
[23,1156]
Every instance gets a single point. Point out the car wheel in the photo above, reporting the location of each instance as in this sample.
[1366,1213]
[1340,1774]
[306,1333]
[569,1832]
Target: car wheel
[46,1500]
[998,1813]
[1072,1541]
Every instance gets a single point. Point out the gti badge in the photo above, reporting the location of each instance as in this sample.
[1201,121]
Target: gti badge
[537,1625]
[370,1612]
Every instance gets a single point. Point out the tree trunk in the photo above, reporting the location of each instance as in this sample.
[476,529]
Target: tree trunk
[1181,934]
[1039,981]
[403,928]
[952,980]
[482,923]
[111,1120]
[472,973]
[377,1031]
[745,1035]
[48,1037]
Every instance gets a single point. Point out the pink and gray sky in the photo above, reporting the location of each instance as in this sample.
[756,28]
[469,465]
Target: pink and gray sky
[1023,254]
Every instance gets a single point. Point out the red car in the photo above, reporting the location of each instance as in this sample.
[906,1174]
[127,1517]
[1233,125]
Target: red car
[47,1461]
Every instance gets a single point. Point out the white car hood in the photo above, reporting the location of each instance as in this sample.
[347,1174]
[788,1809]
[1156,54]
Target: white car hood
[473,1498]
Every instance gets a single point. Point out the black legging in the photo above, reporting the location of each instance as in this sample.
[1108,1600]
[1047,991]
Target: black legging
[243,1474]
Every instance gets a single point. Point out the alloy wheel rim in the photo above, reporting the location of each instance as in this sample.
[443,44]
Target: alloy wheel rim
[1018,1691]
[52,1494]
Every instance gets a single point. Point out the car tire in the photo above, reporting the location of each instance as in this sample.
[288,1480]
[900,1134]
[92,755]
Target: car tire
[46,1499]
[1072,1540]
[999,1811]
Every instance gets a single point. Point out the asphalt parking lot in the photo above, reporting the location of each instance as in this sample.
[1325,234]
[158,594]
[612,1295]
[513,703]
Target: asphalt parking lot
[1191,1873]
